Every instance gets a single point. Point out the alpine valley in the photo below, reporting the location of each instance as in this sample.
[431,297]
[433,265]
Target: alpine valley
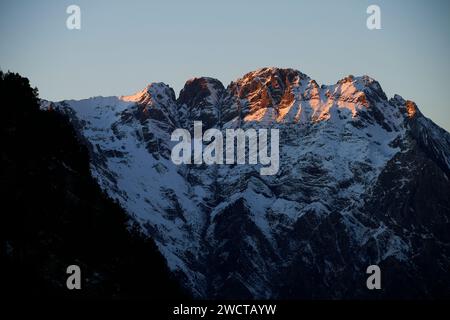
[362,180]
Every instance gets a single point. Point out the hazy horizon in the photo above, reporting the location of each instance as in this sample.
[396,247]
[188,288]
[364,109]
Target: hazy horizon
[124,46]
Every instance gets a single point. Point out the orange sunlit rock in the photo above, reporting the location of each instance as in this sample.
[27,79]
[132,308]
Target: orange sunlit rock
[411,109]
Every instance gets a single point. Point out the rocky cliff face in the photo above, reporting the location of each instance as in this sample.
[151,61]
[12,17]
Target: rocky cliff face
[363,180]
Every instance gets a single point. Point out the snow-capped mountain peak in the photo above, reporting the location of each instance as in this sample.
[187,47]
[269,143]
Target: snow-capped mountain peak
[352,166]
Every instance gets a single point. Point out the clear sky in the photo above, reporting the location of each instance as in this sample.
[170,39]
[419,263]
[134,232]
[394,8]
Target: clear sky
[124,45]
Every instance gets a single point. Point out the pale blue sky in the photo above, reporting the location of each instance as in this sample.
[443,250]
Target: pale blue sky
[124,45]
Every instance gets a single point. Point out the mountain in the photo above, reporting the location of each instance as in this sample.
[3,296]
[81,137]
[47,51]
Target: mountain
[363,180]
[55,215]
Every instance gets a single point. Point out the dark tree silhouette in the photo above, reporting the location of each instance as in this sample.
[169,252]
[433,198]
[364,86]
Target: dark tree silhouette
[54,214]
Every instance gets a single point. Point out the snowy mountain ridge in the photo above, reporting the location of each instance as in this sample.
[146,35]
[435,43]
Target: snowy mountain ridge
[345,197]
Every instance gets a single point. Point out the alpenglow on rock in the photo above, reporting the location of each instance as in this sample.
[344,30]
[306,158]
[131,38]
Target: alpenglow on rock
[363,180]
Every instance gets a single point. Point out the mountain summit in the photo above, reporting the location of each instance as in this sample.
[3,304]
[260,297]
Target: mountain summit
[363,180]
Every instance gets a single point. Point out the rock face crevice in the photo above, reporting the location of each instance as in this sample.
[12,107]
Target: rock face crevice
[363,180]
